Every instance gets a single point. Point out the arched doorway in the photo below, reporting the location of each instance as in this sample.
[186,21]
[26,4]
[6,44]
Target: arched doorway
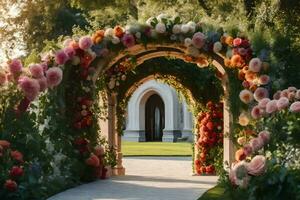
[154,118]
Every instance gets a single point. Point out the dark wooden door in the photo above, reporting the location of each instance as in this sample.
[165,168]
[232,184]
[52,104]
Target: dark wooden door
[155,118]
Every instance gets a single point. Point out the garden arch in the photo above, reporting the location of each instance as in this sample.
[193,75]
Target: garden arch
[142,53]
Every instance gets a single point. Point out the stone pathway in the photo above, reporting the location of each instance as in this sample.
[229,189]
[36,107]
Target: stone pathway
[148,178]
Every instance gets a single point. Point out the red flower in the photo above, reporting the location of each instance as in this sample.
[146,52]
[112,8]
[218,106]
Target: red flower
[16,171]
[197,162]
[18,156]
[81,141]
[210,126]
[10,185]
[93,161]
[210,169]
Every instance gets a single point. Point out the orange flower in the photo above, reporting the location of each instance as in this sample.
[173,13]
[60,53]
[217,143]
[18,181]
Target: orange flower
[18,156]
[223,39]
[5,144]
[237,60]
[240,155]
[118,31]
[250,76]
[253,87]
[229,40]
[202,61]
[98,36]
[227,62]
[241,75]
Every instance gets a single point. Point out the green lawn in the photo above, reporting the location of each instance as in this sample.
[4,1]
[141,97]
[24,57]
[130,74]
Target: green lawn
[215,193]
[156,149]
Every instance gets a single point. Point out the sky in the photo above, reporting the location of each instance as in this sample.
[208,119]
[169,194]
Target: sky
[12,12]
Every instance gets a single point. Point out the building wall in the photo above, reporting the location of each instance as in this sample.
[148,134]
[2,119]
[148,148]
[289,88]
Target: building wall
[178,120]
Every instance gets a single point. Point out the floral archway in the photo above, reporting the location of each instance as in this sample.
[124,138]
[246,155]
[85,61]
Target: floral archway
[76,73]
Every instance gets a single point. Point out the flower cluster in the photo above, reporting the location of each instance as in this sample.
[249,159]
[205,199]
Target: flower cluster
[118,73]
[285,99]
[93,157]
[16,171]
[210,135]
[241,172]
[83,117]
[31,81]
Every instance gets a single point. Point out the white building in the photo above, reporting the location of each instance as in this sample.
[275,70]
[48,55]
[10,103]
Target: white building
[155,113]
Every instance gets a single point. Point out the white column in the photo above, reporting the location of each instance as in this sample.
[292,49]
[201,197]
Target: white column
[187,130]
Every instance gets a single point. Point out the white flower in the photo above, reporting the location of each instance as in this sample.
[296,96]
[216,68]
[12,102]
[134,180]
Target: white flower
[217,47]
[160,28]
[192,26]
[109,32]
[115,40]
[138,35]
[185,28]
[193,51]
[176,29]
[187,42]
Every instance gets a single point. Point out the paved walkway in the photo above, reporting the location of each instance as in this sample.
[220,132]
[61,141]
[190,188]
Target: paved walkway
[148,178]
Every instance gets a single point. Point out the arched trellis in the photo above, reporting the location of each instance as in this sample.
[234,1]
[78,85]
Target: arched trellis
[143,53]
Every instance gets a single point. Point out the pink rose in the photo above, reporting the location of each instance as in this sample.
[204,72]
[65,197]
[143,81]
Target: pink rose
[261,93]
[70,52]
[282,103]
[256,144]
[284,93]
[292,89]
[295,107]
[256,112]
[257,166]
[276,96]
[246,96]
[43,83]
[54,76]
[61,57]
[15,66]
[263,103]
[264,136]
[255,65]
[271,106]
[248,149]
[198,40]
[237,42]
[30,87]
[85,42]
[36,70]
[128,40]
[264,79]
